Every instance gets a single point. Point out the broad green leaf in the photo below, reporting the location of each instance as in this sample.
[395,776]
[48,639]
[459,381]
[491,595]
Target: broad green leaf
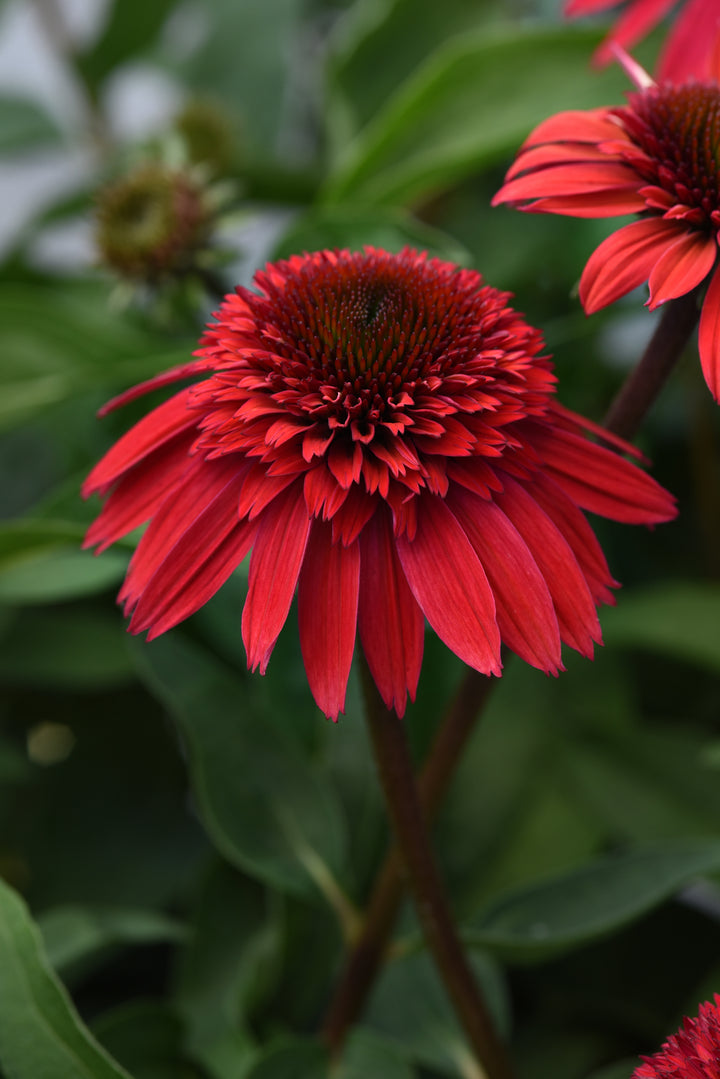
[473,101]
[681,620]
[354,227]
[369,1055]
[574,908]
[146,1036]
[41,1034]
[66,649]
[61,573]
[24,125]
[130,29]
[78,345]
[264,806]
[299,1060]
[379,43]
[229,946]
[76,934]
[410,1007]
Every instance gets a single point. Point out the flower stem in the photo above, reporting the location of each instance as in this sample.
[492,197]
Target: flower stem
[664,349]
[371,944]
[395,770]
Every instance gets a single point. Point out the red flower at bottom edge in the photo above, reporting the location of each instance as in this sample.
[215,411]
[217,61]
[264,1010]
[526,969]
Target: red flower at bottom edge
[381,430]
[692,1053]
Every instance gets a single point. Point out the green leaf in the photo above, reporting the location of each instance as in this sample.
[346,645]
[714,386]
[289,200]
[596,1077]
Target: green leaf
[264,806]
[574,908]
[66,649]
[470,103]
[24,125]
[75,934]
[229,947]
[79,344]
[131,29]
[147,1037]
[41,1034]
[354,227]
[678,620]
[59,574]
[410,1007]
[300,1060]
[369,1055]
[379,43]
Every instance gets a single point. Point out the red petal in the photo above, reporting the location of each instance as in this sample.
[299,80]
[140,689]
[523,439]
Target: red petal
[639,18]
[574,606]
[576,125]
[203,482]
[555,153]
[391,623]
[449,584]
[274,567]
[199,563]
[141,491]
[624,261]
[571,523]
[604,204]
[580,178]
[709,336]
[682,267]
[160,425]
[691,49]
[586,7]
[185,370]
[327,613]
[600,481]
[525,611]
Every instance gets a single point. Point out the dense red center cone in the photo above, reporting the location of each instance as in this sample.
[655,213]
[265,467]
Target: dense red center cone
[381,431]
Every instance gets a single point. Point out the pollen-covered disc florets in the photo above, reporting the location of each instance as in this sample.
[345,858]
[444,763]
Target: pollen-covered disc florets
[381,431]
[692,1053]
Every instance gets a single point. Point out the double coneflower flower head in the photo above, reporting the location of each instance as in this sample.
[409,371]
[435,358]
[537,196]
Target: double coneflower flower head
[657,156]
[692,1053]
[382,432]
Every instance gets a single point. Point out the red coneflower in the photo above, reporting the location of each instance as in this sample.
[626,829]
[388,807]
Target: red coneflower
[689,46]
[692,1053]
[381,430]
[656,156]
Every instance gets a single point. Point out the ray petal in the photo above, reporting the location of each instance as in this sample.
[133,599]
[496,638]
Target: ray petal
[709,336]
[624,260]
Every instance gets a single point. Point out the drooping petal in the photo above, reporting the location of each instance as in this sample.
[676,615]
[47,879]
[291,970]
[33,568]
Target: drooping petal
[595,204]
[274,568]
[639,18]
[689,50]
[600,481]
[159,426]
[625,260]
[709,336]
[525,612]
[202,484]
[141,491]
[166,378]
[576,125]
[682,267]
[390,621]
[327,613]
[450,585]
[564,513]
[574,606]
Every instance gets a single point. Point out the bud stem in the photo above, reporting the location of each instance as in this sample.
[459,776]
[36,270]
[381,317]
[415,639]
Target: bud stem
[643,384]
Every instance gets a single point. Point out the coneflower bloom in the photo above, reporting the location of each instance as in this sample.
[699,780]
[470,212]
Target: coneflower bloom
[381,431]
[692,1053]
[656,156]
[688,49]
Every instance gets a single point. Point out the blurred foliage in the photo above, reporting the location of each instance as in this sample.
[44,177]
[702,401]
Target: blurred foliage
[194,841]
